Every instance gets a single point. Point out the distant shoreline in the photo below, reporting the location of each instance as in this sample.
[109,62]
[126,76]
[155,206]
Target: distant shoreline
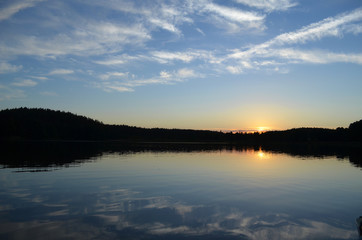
[36,124]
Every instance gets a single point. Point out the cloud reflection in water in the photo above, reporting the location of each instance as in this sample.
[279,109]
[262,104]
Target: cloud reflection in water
[157,196]
[122,213]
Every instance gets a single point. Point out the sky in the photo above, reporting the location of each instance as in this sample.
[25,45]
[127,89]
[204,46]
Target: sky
[195,64]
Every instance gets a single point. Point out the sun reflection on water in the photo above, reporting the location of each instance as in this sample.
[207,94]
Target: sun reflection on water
[262,155]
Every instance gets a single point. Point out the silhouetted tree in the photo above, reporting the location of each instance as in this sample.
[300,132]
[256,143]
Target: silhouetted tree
[355,131]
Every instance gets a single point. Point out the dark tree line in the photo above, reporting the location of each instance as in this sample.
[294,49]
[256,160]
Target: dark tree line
[45,124]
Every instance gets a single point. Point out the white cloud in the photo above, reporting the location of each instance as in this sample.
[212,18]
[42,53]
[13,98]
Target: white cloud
[186,57]
[171,15]
[239,67]
[317,56]
[165,77]
[276,57]
[178,75]
[167,16]
[149,81]
[106,32]
[200,31]
[119,60]
[234,69]
[186,73]
[87,38]
[235,15]
[40,78]
[153,15]
[127,84]
[122,82]
[269,5]
[8,68]
[119,88]
[109,75]
[61,72]
[16,6]
[49,93]
[265,52]
[353,28]
[112,42]
[25,83]
[232,16]
[332,26]
[110,86]
[82,36]
[111,61]
[164,57]
[165,25]
[7,93]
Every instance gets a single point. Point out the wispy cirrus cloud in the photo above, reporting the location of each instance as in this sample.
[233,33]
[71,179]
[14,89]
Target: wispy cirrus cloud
[25,83]
[125,83]
[282,56]
[170,16]
[42,78]
[120,59]
[129,37]
[187,56]
[109,75]
[274,48]
[165,77]
[236,15]
[165,25]
[89,37]
[152,15]
[16,6]
[162,57]
[111,33]
[49,93]
[98,39]
[116,87]
[353,28]
[8,93]
[269,5]
[233,19]
[61,71]
[9,68]
[316,56]
[332,26]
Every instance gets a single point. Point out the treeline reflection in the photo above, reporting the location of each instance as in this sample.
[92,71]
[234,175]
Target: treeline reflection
[48,156]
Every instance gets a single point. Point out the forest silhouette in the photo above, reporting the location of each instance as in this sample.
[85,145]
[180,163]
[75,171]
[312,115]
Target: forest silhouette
[46,124]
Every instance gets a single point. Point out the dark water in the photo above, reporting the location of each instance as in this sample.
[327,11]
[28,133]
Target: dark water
[188,192]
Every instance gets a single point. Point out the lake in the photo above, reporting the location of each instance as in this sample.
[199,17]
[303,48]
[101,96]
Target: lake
[184,192]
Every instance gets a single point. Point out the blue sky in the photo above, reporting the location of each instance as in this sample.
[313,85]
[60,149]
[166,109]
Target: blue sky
[237,64]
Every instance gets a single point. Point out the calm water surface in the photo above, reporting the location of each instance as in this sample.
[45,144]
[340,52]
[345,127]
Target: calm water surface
[221,194]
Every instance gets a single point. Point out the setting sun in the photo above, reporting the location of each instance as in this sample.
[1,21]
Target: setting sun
[262,129]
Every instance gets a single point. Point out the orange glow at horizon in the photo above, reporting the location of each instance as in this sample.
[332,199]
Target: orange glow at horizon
[263,129]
